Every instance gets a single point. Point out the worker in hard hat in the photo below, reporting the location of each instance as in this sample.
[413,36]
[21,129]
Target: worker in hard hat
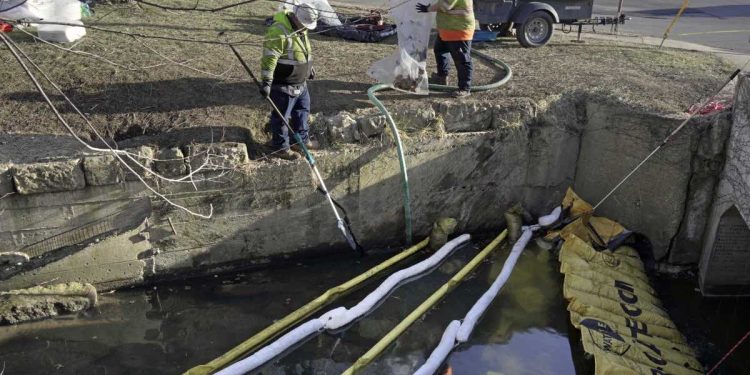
[286,66]
[455,25]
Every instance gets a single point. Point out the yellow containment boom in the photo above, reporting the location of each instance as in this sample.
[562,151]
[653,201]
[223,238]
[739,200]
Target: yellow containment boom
[422,309]
[302,313]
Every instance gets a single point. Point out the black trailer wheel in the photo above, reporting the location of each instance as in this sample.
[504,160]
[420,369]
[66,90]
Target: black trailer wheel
[536,31]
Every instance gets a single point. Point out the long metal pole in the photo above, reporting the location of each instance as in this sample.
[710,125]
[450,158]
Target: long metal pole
[619,13]
[684,6]
[310,160]
[666,140]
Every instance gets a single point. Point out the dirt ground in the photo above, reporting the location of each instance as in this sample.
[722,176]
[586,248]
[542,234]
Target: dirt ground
[158,85]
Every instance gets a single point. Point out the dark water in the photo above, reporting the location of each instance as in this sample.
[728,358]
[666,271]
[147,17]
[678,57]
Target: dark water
[711,325]
[170,328]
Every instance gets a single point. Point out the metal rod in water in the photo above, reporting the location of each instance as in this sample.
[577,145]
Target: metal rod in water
[308,156]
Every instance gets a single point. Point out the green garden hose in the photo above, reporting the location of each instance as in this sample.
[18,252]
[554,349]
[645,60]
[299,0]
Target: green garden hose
[399,146]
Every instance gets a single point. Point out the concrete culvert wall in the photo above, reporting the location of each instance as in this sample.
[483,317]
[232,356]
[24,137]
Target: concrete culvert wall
[469,160]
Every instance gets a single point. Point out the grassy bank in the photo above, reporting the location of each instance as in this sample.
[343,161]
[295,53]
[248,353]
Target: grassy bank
[153,85]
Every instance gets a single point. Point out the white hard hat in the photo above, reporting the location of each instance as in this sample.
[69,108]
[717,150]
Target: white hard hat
[307,16]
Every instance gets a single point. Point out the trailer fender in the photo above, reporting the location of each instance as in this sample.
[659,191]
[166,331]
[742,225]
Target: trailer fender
[523,12]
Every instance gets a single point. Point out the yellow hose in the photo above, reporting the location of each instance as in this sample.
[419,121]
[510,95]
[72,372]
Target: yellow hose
[431,301]
[298,315]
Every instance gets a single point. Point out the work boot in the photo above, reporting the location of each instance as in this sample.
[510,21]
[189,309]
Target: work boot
[286,154]
[438,79]
[461,94]
[310,144]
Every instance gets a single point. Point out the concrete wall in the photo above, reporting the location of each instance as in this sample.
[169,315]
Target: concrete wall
[468,160]
[726,250]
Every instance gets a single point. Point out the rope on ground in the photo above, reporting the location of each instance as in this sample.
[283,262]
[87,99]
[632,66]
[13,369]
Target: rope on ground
[89,54]
[132,156]
[13,48]
[195,7]
[729,353]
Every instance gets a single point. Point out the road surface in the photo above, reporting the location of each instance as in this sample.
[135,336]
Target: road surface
[721,24]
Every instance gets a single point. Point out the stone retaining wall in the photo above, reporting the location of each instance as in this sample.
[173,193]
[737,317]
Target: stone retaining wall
[725,259]
[469,160]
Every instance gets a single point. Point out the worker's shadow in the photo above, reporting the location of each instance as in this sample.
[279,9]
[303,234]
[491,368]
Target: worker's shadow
[193,93]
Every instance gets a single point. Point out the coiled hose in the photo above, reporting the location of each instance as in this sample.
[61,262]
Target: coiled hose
[399,146]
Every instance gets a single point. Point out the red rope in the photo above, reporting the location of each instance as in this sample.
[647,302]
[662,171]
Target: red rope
[737,345]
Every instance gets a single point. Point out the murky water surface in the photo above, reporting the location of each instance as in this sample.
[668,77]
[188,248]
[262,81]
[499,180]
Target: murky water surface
[172,327]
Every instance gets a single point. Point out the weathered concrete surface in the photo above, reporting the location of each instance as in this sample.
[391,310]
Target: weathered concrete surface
[171,162]
[465,116]
[737,171]
[23,305]
[372,124]
[218,155]
[554,150]
[652,202]
[145,156]
[342,128]
[111,263]
[102,170]
[6,179]
[723,269]
[707,164]
[48,177]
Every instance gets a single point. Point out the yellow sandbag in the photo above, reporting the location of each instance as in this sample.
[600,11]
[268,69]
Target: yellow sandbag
[574,205]
[574,247]
[608,289]
[613,352]
[629,255]
[631,326]
[652,315]
[588,273]
[676,353]
[622,321]
[569,260]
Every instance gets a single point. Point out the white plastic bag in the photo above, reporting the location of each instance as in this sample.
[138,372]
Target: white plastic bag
[326,13]
[406,69]
[18,10]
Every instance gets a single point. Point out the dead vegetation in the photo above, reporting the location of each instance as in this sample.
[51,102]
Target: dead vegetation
[133,85]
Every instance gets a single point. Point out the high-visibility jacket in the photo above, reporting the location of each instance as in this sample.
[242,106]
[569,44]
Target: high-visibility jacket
[286,53]
[455,19]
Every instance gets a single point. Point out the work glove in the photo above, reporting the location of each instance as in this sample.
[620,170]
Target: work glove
[265,89]
[423,8]
[312,73]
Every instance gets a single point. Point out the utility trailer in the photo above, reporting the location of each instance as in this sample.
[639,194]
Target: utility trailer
[534,20]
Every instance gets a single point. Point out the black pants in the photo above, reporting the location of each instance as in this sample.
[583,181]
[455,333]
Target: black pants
[460,52]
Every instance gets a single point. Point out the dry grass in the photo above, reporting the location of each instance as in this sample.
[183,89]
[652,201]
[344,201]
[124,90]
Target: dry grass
[124,102]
